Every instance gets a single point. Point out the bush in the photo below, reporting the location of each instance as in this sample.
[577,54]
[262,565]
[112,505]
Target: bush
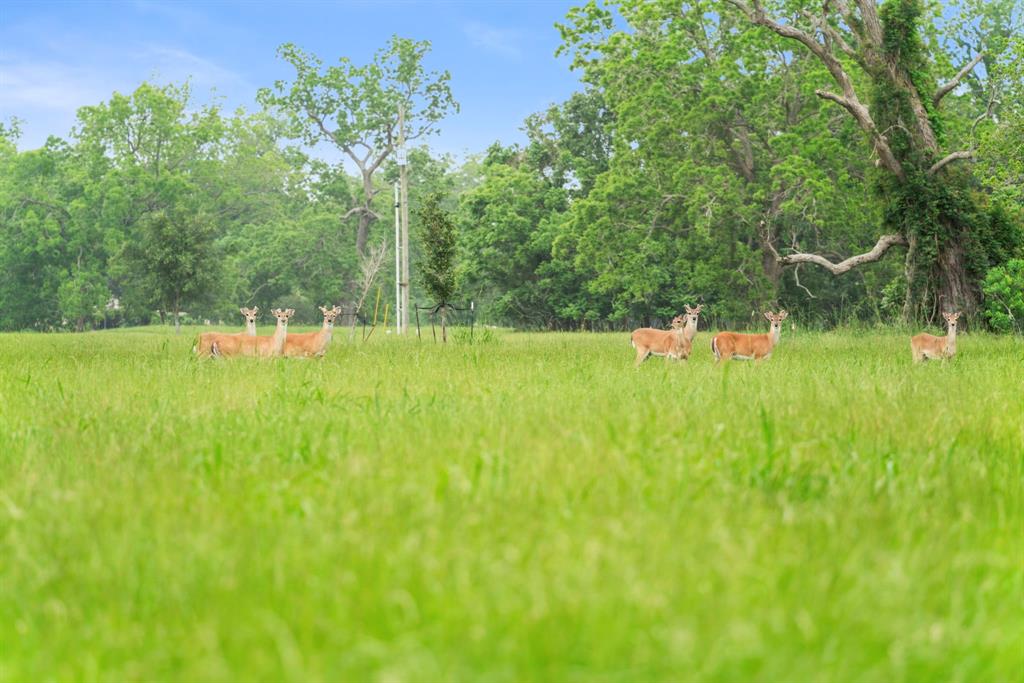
[1004,297]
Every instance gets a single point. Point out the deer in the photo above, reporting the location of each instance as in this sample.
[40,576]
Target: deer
[312,344]
[672,344]
[260,347]
[691,321]
[204,345]
[757,347]
[927,346]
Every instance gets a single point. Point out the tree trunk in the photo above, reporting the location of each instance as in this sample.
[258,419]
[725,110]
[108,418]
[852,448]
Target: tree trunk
[363,233]
[177,317]
[80,324]
[940,281]
[444,324]
[771,267]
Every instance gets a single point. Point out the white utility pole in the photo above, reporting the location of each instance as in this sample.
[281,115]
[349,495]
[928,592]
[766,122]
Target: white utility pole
[403,168]
[398,265]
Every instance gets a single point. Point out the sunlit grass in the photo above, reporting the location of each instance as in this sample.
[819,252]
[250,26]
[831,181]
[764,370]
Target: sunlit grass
[528,509]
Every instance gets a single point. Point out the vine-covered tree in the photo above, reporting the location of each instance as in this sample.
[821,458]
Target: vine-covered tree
[884,76]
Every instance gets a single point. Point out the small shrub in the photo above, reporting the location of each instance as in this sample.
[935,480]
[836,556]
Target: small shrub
[1004,297]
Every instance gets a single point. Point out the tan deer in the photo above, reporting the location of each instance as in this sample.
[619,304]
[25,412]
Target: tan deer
[673,344]
[204,345]
[692,314]
[728,345]
[259,347]
[311,344]
[928,346]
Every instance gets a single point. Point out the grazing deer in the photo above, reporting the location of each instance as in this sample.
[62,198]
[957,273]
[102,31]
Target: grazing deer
[927,346]
[312,343]
[691,321]
[204,346]
[260,347]
[669,343]
[727,345]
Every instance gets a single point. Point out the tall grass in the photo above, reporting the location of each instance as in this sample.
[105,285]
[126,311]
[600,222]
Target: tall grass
[527,509]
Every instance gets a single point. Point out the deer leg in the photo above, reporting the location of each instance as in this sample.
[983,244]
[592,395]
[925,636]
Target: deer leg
[641,356]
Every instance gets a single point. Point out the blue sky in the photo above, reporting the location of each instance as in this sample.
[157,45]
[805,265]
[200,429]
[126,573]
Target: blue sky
[58,56]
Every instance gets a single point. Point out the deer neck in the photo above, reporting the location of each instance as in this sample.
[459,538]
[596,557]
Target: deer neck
[250,328]
[774,335]
[950,340]
[280,334]
[325,332]
[690,331]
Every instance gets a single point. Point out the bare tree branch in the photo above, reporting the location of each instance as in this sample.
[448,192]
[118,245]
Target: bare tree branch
[965,154]
[885,242]
[796,278]
[948,87]
[821,24]
[356,210]
[369,265]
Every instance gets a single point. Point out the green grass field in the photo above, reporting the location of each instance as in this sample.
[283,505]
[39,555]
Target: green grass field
[530,509]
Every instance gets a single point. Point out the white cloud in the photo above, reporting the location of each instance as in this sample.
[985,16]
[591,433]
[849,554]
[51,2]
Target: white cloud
[503,42]
[49,85]
[176,65]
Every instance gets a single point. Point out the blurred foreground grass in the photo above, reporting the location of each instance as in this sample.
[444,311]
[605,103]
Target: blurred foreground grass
[527,509]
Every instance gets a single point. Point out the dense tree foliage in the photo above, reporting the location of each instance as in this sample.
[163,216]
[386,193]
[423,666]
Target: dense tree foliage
[852,161]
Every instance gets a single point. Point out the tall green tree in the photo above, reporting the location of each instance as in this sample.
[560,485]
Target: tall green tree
[722,157]
[440,243]
[355,109]
[174,257]
[883,75]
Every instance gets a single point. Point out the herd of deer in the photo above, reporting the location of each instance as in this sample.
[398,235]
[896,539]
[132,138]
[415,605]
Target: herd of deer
[248,343]
[677,343]
[674,344]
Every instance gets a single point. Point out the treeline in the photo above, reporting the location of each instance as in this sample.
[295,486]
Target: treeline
[731,154]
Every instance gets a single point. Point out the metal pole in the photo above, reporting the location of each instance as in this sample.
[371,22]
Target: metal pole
[398,265]
[404,182]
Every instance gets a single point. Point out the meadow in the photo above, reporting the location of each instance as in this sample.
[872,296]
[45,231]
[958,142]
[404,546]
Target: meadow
[529,508]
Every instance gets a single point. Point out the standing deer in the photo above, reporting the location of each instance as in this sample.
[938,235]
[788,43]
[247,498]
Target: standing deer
[312,343]
[260,347]
[669,343]
[204,346]
[727,345]
[691,321]
[928,346]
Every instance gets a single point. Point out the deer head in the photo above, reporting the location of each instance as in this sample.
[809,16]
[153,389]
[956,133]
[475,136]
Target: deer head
[776,318]
[330,314]
[282,315]
[692,314]
[951,319]
[250,314]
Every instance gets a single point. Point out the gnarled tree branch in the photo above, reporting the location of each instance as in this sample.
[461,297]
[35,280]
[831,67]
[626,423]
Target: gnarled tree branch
[965,154]
[946,88]
[885,242]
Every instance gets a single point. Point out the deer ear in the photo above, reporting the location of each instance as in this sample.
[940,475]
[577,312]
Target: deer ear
[768,315]
[242,311]
[700,307]
[783,314]
[291,312]
[322,309]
